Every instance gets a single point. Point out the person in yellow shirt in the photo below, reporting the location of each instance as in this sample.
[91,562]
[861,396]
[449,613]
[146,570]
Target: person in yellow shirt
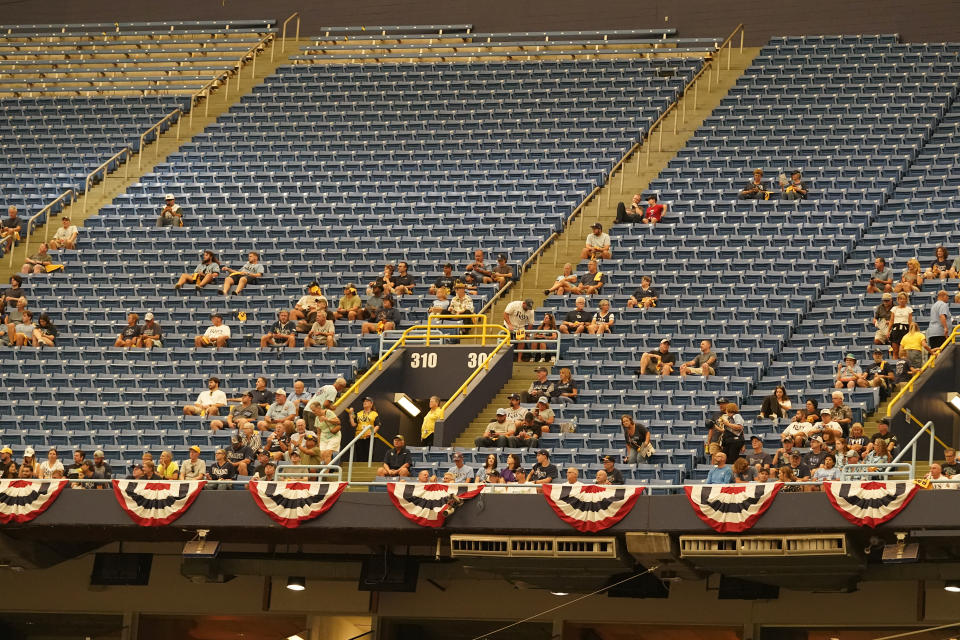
[168,469]
[430,422]
[913,345]
[366,417]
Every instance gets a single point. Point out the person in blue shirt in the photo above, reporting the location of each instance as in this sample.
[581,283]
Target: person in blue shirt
[939,327]
[721,473]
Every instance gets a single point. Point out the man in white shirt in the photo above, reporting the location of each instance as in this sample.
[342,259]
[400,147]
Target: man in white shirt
[209,401]
[518,316]
[170,215]
[216,334]
[597,245]
[65,237]
[828,428]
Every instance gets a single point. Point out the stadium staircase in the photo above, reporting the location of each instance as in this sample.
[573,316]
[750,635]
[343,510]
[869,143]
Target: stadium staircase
[134,59]
[634,176]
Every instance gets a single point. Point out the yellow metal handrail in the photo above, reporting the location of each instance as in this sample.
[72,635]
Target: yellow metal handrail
[503,343]
[473,317]
[283,37]
[410,334]
[929,364]
[923,427]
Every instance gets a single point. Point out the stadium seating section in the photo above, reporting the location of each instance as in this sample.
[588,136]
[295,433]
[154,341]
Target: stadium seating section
[326,170]
[329,170]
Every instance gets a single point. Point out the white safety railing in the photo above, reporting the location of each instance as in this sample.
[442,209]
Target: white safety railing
[104,168]
[283,36]
[877,471]
[176,113]
[549,338]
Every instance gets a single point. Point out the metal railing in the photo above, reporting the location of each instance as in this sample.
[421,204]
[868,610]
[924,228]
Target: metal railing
[877,471]
[351,446]
[224,78]
[35,221]
[411,335]
[929,364]
[502,344]
[178,113]
[548,337]
[283,36]
[104,168]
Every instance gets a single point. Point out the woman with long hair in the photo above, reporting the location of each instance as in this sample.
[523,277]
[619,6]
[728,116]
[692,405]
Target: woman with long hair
[513,472]
[548,323]
[489,466]
[776,405]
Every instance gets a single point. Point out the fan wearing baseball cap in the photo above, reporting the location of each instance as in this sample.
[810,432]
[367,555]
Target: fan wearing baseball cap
[597,244]
[171,215]
[8,468]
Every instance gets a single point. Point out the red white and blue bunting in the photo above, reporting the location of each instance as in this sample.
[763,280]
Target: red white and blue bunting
[732,508]
[23,500]
[291,503]
[152,504]
[588,507]
[869,503]
[429,504]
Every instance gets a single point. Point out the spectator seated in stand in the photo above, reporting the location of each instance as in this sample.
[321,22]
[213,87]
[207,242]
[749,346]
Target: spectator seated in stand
[247,274]
[322,332]
[565,283]
[495,435]
[397,462]
[151,335]
[23,330]
[603,320]
[349,306]
[794,188]
[45,333]
[756,189]
[526,434]
[544,332]
[384,281]
[38,262]
[565,389]
[172,214]
[446,281]
[632,212]
[881,280]
[540,386]
[704,364]
[240,414]
[209,401]
[645,296]
[386,319]
[776,405]
[828,429]
[592,281]
[721,473]
[911,280]
[577,320]
[10,229]
[130,334]
[850,374]
[659,362]
[502,274]
[543,415]
[304,312]
[478,269]
[217,334]
[798,431]
[66,236]
[403,282]
[940,267]
[283,332]
[206,272]
[597,245]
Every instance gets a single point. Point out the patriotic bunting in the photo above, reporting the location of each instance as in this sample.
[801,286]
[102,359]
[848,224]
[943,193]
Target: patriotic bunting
[152,504]
[429,504]
[731,508]
[290,503]
[23,500]
[868,504]
[588,507]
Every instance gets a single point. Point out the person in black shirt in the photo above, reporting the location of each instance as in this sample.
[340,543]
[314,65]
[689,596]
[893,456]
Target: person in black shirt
[446,281]
[543,472]
[565,389]
[403,281]
[398,461]
[800,470]
[645,296]
[260,395]
[45,334]
[385,319]
[795,189]
[10,228]
[10,295]
[756,457]
[576,321]
[881,374]
[73,470]
[659,362]
[613,474]
[239,456]
[756,189]
[283,333]
[815,456]
[221,470]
